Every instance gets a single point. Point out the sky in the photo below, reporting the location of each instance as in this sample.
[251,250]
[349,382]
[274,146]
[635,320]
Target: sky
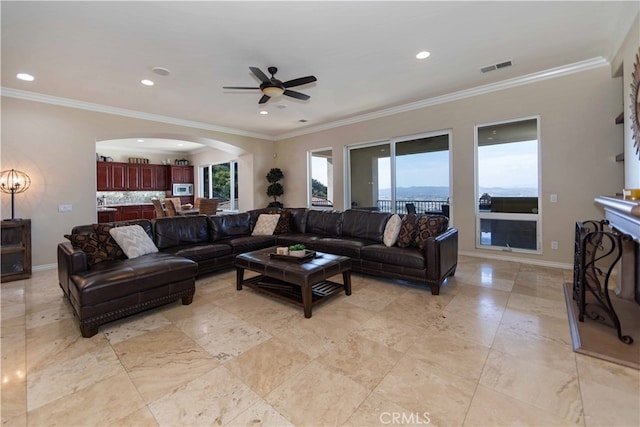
[513,165]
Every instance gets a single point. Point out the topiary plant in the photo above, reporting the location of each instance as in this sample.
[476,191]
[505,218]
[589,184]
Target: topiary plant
[275,189]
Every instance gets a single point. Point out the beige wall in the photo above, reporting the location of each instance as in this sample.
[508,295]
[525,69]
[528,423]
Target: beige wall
[579,142]
[56,147]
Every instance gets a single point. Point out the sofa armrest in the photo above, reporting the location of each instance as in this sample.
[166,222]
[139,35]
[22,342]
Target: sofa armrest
[70,261]
[441,257]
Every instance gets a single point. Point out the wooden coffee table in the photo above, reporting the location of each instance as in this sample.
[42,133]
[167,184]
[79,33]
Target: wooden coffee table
[304,284]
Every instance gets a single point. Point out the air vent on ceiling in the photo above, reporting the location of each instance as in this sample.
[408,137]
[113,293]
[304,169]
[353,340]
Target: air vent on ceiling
[497,66]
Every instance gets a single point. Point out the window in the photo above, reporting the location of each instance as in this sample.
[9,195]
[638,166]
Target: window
[402,174]
[321,178]
[507,186]
[221,181]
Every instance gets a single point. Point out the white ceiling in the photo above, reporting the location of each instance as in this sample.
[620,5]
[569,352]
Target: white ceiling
[362,53]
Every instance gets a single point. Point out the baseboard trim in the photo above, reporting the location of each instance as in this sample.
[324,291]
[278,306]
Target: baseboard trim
[538,262]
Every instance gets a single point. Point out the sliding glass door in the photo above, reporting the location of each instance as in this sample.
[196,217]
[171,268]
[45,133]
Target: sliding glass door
[400,175]
[220,181]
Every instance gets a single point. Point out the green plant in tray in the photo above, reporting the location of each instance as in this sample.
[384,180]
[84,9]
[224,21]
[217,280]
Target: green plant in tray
[297,247]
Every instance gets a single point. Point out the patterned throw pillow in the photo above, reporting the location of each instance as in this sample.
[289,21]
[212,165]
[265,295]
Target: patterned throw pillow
[133,240]
[109,245]
[429,226]
[266,224]
[392,230]
[283,223]
[90,245]
[408,230]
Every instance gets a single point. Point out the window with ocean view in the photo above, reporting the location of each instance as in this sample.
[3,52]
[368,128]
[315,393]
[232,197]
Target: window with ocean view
[401,175]
[507,186]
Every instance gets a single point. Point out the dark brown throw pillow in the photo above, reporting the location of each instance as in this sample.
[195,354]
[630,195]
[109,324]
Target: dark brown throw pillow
[90,245]
[283,223]
[109,245]
[429,226]
[408,230]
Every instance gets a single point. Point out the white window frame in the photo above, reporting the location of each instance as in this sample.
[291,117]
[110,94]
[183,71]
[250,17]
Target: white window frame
[330,189]
[233,164]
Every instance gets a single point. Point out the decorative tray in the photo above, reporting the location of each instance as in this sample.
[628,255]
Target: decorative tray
[309,255]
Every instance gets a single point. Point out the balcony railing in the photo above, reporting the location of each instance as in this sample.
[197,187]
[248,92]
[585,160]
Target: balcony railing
[422,206]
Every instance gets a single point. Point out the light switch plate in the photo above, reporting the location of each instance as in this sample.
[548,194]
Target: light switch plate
[65,208]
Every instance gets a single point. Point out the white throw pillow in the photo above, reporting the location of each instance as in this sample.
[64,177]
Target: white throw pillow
[266,224]
[133,240]
[392,230]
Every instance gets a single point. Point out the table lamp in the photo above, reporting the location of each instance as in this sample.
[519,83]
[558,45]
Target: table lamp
[13,181]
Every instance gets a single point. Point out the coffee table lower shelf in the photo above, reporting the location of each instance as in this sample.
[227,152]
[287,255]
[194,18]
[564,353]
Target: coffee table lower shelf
[291,293]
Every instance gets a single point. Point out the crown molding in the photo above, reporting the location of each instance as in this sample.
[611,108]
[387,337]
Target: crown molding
[82,105]
[454,96]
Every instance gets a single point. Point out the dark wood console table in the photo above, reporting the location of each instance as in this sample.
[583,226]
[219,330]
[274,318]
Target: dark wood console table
[16,250]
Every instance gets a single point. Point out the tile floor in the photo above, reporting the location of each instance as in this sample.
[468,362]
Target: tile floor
[493,349]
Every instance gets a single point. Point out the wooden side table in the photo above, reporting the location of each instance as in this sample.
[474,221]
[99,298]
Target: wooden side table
[15,250]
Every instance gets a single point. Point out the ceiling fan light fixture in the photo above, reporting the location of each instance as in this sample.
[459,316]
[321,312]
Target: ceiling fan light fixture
[273,91]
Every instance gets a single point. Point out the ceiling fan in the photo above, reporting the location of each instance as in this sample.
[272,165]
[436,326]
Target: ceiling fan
[272,87]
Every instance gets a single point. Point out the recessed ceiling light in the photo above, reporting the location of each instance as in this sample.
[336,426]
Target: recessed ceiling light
[424,54]
[263,112]
[141,140]
[26,77]
[180,145]
[281,106]
[161,71]
[147,82]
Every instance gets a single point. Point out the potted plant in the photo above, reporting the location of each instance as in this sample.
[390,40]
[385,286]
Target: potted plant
[297,250]
[275,189]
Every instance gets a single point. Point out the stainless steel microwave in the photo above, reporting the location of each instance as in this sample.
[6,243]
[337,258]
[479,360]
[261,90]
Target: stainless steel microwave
[183,189]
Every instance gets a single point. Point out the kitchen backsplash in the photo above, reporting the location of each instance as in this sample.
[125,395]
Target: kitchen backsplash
[106,198]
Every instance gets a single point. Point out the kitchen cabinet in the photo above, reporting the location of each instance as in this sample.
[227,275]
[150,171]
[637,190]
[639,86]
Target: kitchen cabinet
[110,176]
[128,213]
[15,250]
[114,176]
[147,211]
[133,177]
[162,173]
[108,215]
[182,174]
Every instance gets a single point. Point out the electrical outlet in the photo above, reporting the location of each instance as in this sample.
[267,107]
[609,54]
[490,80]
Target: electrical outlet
[553,198]
[65,208]
[554,244]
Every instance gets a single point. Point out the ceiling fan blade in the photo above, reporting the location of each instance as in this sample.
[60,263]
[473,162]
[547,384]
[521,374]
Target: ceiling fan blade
[239,87]
[264,99]
[297,95]
[300,81]
[259,74]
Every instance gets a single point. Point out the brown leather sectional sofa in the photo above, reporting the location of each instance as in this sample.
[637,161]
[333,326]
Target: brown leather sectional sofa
[191,246]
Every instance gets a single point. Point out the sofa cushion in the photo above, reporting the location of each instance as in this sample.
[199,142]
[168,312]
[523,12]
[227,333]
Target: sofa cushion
[283,225]
[114,251]
[227,226]
[244,244]
[341,246]
[265,225]
[289,239]
[403,257]
[180,230]
[364,224]
[113,279]
[298,220]
[200,251]
[90,245]
[326,223]
[408,230]
[392,230]
[429,226]
[133,240]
